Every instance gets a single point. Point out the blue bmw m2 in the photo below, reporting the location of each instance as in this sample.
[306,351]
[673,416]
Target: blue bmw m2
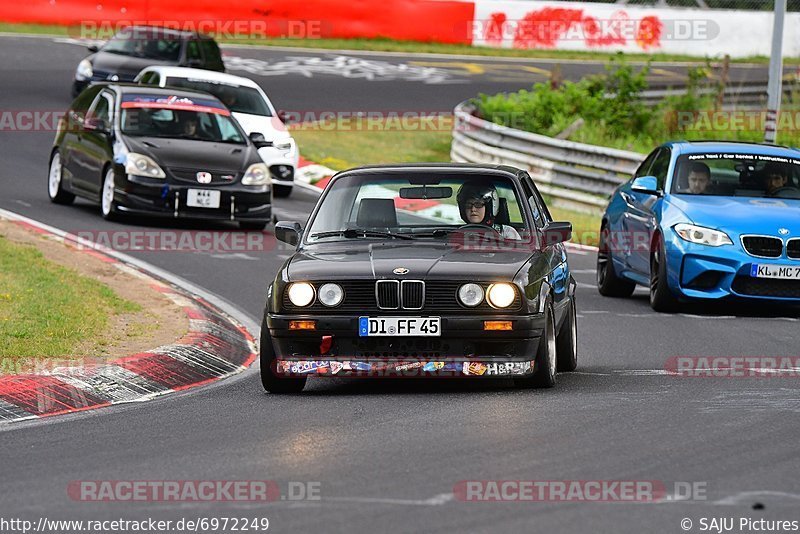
[705,221]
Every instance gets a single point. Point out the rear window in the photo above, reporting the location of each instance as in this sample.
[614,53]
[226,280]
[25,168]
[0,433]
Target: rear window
[237,98]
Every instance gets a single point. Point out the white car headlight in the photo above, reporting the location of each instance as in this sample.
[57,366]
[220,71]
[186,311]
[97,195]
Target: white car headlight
[702,235]
[331,294]
[84,70]
[301,294]
[257,174]
[500,295]
[470,295]
[285,145]
[142,165]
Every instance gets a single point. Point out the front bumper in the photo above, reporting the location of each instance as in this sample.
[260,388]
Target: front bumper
[463,349]
[282,168]
[714,273]
[146,196]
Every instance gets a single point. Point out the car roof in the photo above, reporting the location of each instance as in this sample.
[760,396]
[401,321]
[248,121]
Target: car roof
[201,74]
[702,147]
[438,168]
[163,30]
[132,88]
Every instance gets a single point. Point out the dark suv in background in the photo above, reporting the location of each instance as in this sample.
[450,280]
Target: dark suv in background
[137,47]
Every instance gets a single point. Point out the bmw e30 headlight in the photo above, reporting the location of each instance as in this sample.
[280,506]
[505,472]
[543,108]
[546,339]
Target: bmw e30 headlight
[301,294]
[500,295]
[470,295]
[330,294]
[702,235]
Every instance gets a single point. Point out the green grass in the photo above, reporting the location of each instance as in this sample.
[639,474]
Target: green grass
[47,310]
[585,227]
[353,142]
[389,45]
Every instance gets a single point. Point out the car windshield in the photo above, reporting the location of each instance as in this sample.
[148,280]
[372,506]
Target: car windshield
[737,175]
[172,122]
[147,45]
[238,98]
[417,206]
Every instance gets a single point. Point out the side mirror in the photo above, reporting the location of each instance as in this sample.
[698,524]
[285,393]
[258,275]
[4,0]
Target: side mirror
[557,232]
[259,140]
[288,232]
[93,48]
[95,124]
[647,185]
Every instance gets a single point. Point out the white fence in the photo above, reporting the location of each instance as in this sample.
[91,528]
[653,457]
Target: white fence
[575,175]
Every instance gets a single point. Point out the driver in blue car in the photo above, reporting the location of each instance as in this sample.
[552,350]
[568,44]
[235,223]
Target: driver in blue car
[479,203]
[776,179]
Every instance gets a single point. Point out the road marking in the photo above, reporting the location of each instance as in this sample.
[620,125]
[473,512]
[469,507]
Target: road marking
[436,500]
[23,203]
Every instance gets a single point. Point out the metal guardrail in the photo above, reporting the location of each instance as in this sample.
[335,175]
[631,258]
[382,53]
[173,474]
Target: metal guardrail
[751,95]
[577,176]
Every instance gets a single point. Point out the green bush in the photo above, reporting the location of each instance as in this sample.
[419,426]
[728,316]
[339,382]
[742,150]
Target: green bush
[612,111]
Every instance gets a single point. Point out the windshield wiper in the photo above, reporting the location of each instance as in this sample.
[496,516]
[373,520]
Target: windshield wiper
[353,232]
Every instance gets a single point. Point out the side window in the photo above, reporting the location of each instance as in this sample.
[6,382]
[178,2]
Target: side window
[193,51]
[82,103]
[660,167]
[644,168]
[538,210]
[101,109]
[155,79]
[213,58]
[145,79]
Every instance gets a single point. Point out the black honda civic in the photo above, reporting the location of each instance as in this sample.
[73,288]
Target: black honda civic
[164,152]
[137,47]
[422,270]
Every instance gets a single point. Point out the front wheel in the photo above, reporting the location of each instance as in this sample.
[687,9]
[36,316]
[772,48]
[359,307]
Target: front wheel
[282,191]
[608,283]
[108,208]
[252,225]
[55,185]
[271,380]
[545,374]
[567,340]
[661,298]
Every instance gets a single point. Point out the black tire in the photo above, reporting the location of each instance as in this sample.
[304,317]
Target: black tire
[281,191]
[545,374]
[108,207]
[270,379]
[661,298]
[252,225]
[567,340]
[55,184]
[608,283]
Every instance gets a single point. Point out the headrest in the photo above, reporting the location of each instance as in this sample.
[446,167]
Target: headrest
[376,213]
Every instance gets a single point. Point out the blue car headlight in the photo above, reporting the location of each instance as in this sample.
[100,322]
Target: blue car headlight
[701,235]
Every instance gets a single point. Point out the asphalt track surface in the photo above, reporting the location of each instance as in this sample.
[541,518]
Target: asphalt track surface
[388,453]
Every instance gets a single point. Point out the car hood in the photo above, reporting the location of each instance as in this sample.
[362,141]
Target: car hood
[183,153]
[270,127]
[126,67]
[741,215]
[360,259]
